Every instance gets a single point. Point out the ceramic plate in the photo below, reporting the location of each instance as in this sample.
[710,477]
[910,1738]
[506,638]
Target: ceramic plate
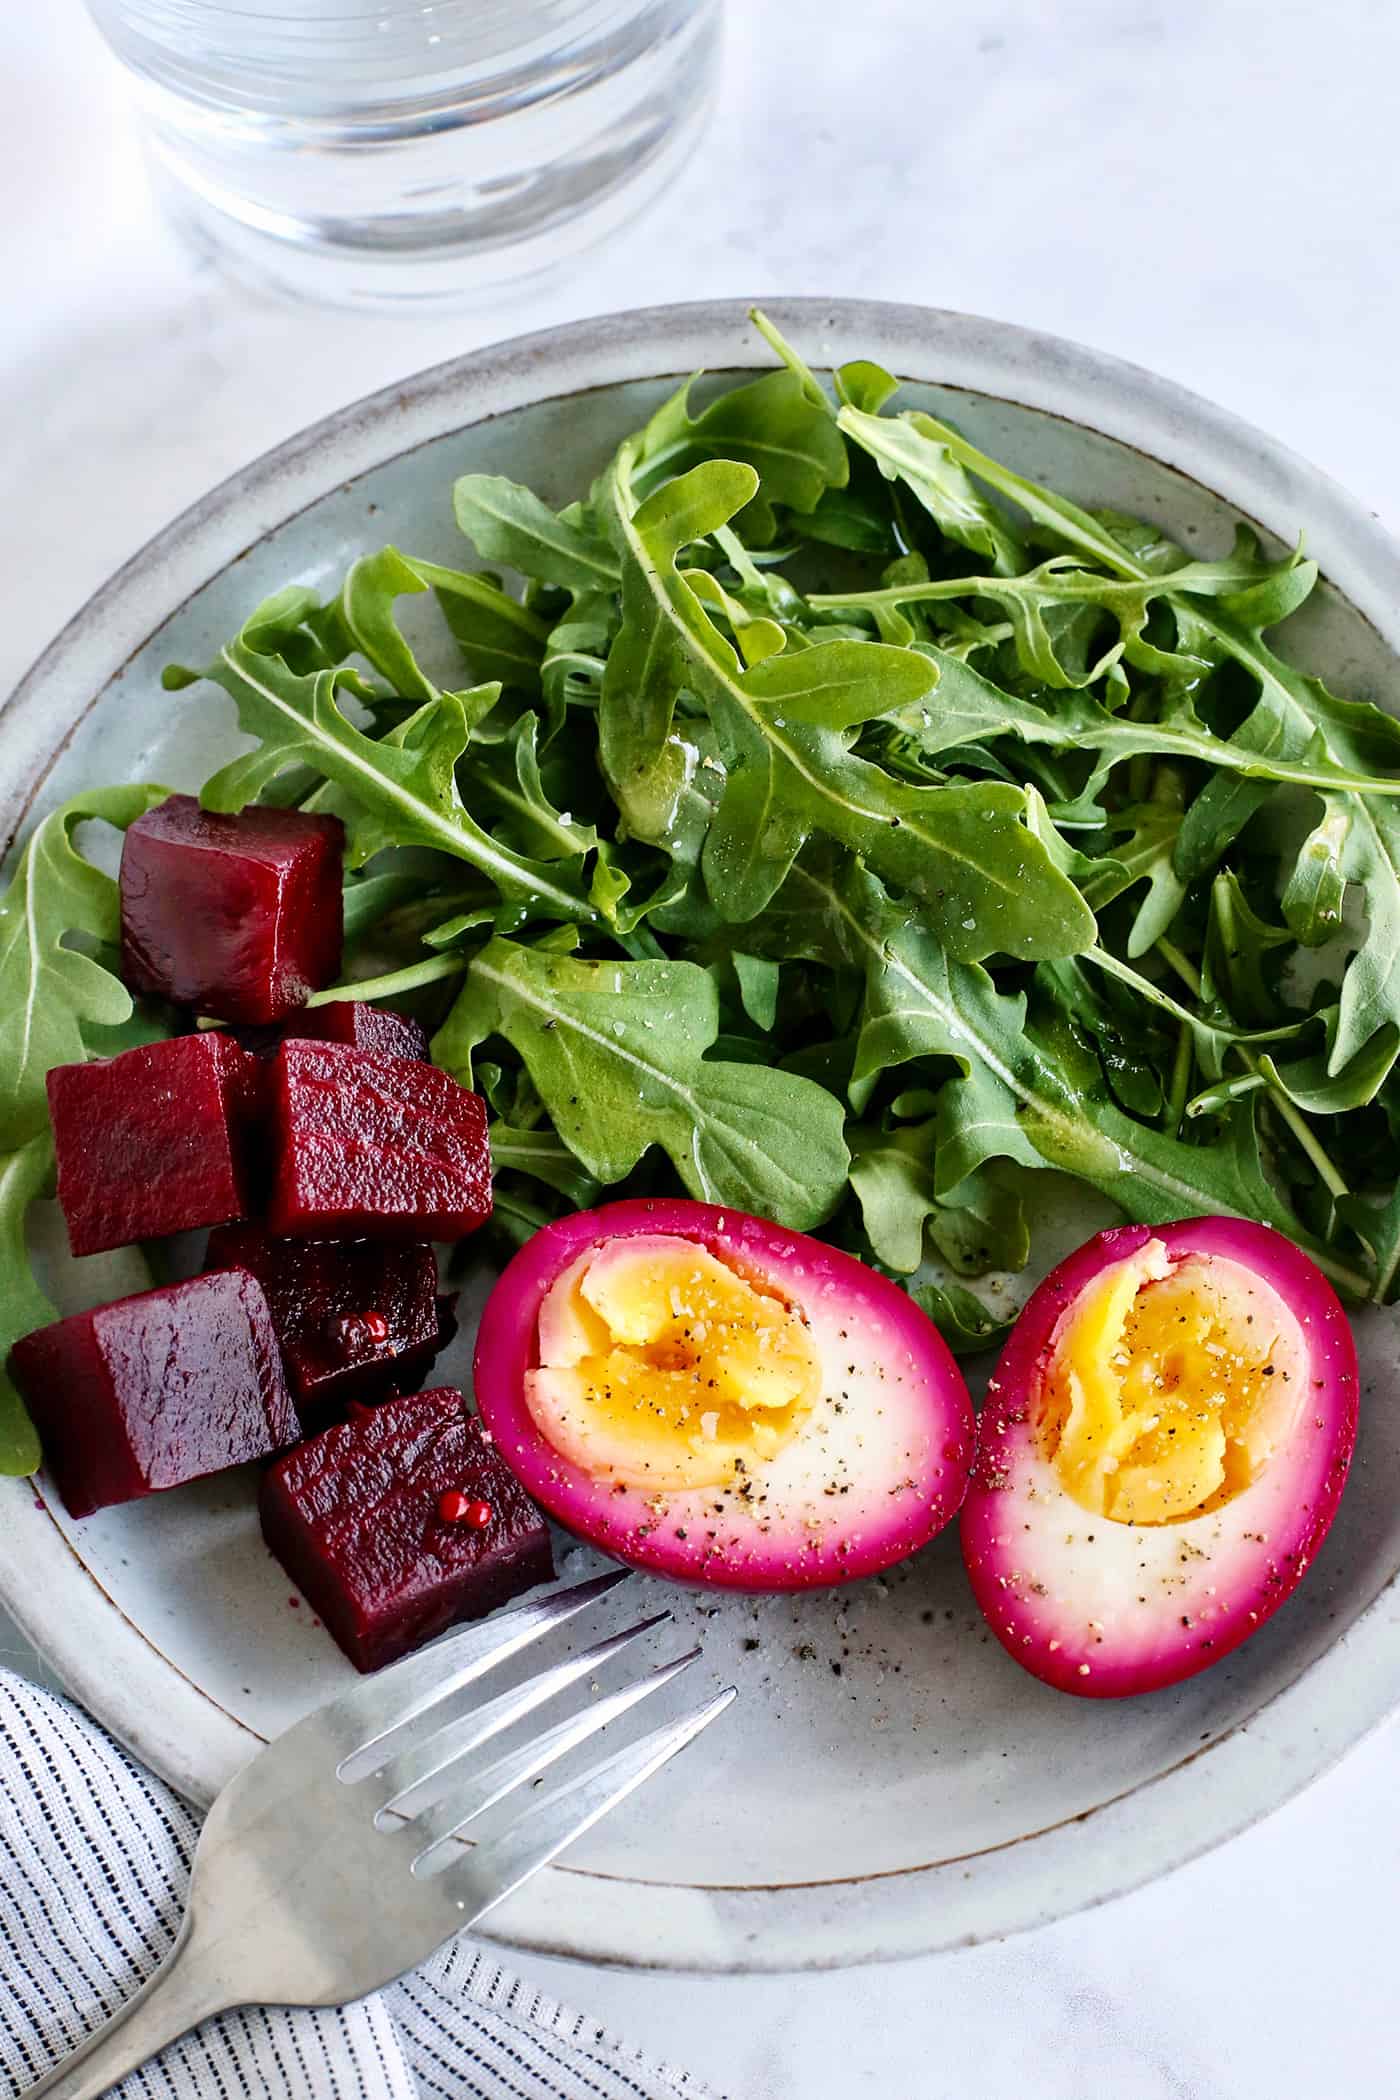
[889,1782]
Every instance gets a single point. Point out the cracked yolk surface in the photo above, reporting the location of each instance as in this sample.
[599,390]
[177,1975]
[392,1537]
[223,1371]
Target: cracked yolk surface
[661,1366]
[1169,1386]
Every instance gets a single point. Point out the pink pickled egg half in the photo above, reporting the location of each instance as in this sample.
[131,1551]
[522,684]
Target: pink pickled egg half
[1162,1450]
[719,1400]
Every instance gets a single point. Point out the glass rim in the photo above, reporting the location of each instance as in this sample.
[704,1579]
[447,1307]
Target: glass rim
[395,12]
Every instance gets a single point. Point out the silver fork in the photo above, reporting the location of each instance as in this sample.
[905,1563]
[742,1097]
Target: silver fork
[330,1865]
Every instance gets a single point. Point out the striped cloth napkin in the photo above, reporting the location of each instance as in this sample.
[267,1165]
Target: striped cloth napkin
[94,1864]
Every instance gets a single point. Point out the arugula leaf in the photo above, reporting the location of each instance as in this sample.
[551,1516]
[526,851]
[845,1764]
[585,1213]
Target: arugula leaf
[1234,977]
[906,448]
[367,622]
[964,1322]
[1377,1226]
[892,1177]
[362,619]
[1144,844]
[369,900]
[847,518]
[50,991]
[649,662]
[758,977]
[574,658]
[1214,1035]
[1370,857]
[502,640]
[986,882]
[975,707]
[981,1225]
[508,523]
[1132,1047]
[1027,1094]
[863,384]
[773,424]
[403,788]
[543,1155]
[1312,1085]
[1315,891]
[1306,1082]
[1294,718]
[617,1054]
[508,774]
[515,1219]
[25,1174]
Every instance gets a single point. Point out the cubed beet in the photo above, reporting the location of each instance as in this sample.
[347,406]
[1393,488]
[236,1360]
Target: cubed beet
[155,1141]
[353,1022]
[359,1026]
[374,1147]
[354,1317]
[239,917]
[448,1323]
[401,1522]
[155,1390]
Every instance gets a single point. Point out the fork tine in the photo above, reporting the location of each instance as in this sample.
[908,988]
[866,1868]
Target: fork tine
[491,1871]
[465,1803]
[414,1778]
[366,1721]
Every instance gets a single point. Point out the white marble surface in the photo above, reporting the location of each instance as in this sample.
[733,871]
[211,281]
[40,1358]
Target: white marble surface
[1209,187]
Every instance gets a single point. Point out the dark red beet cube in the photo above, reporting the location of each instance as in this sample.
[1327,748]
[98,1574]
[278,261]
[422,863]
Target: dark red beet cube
[359,1026]
[239,917]
[353,1316]
[353,1022]
[448,1323]
[154,1141]
[155,1390]
[374,1147]
[356,1518]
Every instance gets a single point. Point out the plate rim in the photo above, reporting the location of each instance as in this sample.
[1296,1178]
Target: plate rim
[175,1726]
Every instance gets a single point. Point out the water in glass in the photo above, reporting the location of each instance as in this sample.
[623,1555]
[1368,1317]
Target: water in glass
[374,151]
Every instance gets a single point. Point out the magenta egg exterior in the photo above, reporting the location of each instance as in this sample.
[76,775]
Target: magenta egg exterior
[919,1452]
[1105,1609]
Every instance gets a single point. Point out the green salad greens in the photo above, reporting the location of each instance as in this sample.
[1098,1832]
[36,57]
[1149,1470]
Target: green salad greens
[819,815]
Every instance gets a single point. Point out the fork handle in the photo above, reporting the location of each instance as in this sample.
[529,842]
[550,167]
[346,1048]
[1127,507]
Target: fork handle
[183,1991]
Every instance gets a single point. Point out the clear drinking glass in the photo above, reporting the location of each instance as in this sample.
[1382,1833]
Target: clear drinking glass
[381,152]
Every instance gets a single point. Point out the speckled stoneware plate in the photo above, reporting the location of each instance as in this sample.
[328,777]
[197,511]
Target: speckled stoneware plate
[927,1793]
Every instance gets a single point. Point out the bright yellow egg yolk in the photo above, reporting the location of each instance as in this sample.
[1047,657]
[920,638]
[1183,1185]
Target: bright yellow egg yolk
[1169,1386]
[660,1366]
